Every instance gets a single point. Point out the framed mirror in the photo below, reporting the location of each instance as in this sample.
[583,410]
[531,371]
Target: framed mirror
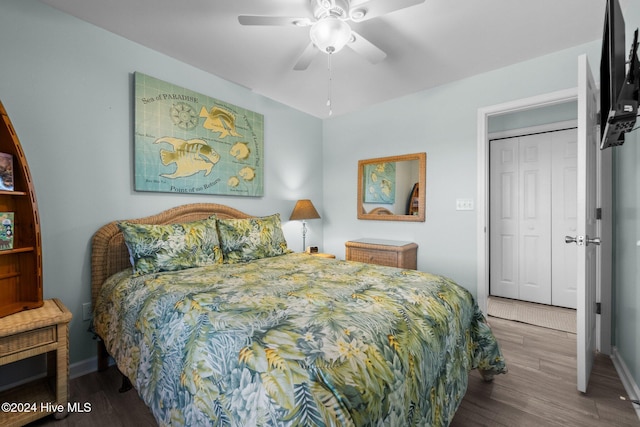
[392,188]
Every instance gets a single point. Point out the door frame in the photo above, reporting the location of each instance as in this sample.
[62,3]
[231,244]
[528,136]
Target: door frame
[482,228]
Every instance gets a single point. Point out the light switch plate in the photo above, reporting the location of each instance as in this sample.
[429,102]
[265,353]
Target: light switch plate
[464,204]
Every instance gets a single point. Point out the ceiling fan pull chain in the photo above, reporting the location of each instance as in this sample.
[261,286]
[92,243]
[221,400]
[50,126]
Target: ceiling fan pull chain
[330,81]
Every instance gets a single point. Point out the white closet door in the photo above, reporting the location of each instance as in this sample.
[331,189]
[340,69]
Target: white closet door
[520,218]
[533,186]
[504,270]
[564,218]
[535,219]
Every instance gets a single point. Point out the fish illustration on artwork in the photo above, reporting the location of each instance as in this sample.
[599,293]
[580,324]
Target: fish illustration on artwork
[247,173]
[219,120]
[385,187]
[190,156]
[240,150]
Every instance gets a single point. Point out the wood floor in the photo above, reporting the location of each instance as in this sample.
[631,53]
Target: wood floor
[539,389]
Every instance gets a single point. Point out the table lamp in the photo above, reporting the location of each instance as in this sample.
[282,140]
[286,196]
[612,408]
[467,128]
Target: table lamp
[304,210]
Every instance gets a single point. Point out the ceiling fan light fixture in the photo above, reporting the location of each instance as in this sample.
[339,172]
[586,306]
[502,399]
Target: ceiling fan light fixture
[330,34]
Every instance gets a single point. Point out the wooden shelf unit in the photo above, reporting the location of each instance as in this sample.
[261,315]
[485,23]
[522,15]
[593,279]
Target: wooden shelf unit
[413,207]
[21,266]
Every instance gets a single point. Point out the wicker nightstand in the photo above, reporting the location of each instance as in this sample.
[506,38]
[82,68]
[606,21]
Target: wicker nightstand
[27,334]
[391,253]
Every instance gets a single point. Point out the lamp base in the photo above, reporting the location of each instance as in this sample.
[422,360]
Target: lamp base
[304,235]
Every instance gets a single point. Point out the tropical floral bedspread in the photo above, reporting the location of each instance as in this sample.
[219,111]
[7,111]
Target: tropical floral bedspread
[296,340]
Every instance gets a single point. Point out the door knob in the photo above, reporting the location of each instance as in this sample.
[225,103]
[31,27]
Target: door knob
[595,241]
[582,240]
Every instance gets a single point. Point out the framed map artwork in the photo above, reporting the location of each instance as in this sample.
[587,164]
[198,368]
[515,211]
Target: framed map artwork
[380,183]
[186,142]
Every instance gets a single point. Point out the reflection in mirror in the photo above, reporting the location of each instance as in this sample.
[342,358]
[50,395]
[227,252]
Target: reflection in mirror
[392,188]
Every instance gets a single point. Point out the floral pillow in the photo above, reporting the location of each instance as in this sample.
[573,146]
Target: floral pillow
[171,247]
[251,238]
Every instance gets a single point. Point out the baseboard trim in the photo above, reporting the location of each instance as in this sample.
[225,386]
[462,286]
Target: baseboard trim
[83,367]
[76,370]
[626,378]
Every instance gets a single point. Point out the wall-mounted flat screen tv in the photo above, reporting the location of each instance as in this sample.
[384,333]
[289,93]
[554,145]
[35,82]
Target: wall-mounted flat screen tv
[619,79]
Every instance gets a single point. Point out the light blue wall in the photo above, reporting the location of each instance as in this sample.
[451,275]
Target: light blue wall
[443,123]
[67,87]
[626,268]
[533,117]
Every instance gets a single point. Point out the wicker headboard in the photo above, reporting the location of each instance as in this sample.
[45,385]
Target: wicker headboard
[109,254]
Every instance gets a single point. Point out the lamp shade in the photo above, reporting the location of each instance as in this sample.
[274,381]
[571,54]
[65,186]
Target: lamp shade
[330,34]
[304,209]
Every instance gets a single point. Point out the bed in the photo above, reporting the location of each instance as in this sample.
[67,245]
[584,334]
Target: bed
[270,337]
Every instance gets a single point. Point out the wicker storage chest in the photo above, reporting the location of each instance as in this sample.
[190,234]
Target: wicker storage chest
[391,253]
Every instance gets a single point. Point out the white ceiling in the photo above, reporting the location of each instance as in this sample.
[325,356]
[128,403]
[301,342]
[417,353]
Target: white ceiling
[435,42]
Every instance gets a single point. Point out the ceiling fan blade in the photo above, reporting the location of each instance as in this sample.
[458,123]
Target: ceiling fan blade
[367,49]
[307,56]
[273,20]
[375,8]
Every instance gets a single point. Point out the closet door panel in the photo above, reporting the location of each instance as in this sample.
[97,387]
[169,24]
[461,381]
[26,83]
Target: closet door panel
[534,227]
[503,225]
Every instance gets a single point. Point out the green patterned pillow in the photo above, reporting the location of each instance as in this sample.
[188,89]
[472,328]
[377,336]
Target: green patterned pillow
[171,247]
[252,238]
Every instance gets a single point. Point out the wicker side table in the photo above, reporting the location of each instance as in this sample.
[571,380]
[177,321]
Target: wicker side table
[391,253]
[27,334]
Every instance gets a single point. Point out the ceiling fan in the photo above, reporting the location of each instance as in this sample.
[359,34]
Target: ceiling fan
[329,29]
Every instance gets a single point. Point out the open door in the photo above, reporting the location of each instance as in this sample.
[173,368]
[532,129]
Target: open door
[586,241]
